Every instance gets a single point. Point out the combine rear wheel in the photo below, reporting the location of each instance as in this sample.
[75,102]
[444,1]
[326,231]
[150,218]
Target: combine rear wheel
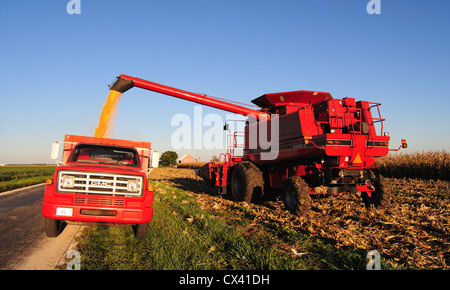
[296,196]
[246,182]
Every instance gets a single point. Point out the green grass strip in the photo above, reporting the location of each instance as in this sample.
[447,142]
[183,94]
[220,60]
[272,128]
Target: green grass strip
[184,236]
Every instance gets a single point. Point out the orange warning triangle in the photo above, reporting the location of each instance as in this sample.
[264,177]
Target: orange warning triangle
[357,159]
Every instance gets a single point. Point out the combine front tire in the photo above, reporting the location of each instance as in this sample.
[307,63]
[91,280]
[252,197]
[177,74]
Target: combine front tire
[381,197]
[246,182]
[296,196]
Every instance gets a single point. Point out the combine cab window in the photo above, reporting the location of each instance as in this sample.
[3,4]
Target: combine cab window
[86,153]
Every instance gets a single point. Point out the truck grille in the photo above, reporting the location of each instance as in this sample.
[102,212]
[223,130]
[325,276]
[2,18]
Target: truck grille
[99,183]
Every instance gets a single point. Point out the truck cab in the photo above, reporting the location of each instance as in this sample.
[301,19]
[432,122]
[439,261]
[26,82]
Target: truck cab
[100,181]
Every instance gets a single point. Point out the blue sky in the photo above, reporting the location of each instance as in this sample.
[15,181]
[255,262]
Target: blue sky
[55,67]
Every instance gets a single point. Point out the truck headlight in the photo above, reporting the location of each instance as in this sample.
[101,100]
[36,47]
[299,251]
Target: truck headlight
[132,185]
[68,181]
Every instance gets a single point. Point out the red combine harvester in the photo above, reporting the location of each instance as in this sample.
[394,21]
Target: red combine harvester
[318,145]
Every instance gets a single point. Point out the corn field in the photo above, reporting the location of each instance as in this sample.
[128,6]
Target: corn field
[413,232]
[425,165]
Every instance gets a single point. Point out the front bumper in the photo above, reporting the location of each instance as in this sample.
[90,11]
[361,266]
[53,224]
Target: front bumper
[99,214]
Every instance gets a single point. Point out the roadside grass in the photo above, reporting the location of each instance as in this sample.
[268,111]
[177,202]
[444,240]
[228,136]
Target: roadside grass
[13,177]
[184,236]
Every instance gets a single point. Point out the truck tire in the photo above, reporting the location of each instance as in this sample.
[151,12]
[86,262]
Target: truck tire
[140,230]
[296,196]
[52,227]
[381,197]
[246,182]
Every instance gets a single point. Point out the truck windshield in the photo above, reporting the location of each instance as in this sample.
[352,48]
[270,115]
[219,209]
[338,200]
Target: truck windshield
[89,153]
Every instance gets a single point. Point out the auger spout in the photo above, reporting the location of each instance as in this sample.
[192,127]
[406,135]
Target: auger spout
[124,83]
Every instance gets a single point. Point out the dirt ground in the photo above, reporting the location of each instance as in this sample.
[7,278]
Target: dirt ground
[413,231]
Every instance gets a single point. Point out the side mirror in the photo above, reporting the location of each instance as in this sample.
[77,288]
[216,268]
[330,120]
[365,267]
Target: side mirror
[225,127]
[155,159]
[55,152]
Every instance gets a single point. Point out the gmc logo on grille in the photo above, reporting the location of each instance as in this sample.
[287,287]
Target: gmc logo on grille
[101,183]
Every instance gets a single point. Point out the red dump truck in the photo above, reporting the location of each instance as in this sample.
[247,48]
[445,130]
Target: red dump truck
[100,181]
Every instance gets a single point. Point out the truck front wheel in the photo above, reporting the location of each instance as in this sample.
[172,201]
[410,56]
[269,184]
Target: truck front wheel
[140,230]
[52,227]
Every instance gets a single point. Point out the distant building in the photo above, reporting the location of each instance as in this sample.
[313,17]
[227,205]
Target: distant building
[2,164]
[187,158]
